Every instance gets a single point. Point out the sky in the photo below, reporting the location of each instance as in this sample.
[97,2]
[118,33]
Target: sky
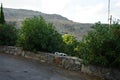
[83,11]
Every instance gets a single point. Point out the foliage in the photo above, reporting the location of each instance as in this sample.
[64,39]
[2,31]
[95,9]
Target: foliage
[70,44]
[37,35]
[8,34]
[2,20]
[102,46]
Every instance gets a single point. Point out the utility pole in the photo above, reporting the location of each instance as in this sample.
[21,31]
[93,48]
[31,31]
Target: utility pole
[109,15]
[108,11]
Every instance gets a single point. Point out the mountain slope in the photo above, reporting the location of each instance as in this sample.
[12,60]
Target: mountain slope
[62,24]
[20,14]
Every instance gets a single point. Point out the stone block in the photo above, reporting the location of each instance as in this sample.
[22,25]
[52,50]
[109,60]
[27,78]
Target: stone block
[57,60]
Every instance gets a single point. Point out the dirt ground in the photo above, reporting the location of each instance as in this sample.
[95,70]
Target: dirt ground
[19,68]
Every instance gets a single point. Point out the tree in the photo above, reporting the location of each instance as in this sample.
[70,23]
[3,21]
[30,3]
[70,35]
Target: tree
[102,46]
[2,20]
[36,34]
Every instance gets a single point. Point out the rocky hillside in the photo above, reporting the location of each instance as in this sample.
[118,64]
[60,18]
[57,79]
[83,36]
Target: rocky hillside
[62,24]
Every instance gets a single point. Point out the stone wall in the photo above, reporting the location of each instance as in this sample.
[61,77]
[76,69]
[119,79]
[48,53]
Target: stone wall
[70,63]
[106,73]
[67,62]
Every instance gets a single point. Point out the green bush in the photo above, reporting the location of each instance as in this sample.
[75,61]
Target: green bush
[38,35]
[8,34]
[102,46]
[70,44]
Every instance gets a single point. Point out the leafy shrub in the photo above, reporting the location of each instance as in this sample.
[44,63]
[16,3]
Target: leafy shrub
[70,44]
[8,34]
[38,35]
[102,46]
